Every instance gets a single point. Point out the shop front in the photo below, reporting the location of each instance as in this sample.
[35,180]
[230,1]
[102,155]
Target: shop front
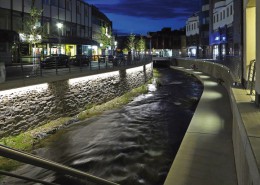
[218,41]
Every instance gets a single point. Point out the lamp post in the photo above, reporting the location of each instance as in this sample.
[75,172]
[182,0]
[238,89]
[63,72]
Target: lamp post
[115,44]
[59,26]
[150,43]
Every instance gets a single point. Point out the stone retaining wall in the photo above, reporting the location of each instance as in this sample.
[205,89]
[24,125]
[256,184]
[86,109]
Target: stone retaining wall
[29,107]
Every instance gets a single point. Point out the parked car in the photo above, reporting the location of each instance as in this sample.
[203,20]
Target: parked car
[79,60]
[55,60]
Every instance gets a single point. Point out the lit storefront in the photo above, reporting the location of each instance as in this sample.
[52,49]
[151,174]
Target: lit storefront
[218,41]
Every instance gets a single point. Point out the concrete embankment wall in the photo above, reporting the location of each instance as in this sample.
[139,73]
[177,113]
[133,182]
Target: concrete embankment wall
[246,156]
[32,106]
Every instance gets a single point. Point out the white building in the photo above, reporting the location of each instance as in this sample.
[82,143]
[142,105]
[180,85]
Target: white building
[192,34]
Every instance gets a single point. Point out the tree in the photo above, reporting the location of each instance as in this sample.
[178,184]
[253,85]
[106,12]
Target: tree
[141,45]
[131,42]
[33,30]
[105,38]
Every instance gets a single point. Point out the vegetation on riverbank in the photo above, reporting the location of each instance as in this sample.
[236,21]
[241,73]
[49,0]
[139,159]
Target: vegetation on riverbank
[27,141]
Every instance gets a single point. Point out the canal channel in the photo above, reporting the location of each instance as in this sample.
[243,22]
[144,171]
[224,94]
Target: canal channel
[134,145]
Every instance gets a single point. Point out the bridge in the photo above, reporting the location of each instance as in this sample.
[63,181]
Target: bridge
[163,61]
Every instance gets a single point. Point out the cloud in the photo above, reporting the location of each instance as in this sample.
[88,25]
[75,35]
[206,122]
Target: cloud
[153,9]
[141,16]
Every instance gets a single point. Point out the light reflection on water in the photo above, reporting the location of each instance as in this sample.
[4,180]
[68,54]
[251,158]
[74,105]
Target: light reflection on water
[134,145]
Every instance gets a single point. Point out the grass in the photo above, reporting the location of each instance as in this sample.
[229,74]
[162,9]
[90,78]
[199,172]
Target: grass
[26,141]
[113,104]
[156,73]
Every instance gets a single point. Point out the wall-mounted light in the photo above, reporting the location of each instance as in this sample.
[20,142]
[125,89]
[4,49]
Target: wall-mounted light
[59,25]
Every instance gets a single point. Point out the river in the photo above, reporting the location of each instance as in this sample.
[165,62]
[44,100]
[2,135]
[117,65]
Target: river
[134,145]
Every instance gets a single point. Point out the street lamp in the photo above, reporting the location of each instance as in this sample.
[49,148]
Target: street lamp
[150,43]
[59,26]
[115,44]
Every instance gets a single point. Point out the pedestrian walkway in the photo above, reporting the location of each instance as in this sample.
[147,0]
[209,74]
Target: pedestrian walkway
[206,155]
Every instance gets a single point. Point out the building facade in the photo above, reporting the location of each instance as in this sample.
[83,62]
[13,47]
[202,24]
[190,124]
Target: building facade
[101,32]
[197,33]
[168,42]
[221,38]
[66,27]
[216,33]
[251,33]
[192,34]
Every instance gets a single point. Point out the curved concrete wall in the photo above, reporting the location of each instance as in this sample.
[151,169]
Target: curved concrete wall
[32,106]
[245,132]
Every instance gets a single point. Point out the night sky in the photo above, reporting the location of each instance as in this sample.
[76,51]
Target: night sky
[142,16]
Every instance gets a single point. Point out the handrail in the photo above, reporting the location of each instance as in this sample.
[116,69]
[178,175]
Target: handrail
[251,76]
[50,165]
[25,178]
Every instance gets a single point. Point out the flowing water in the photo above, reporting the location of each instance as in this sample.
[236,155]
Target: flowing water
[134,145]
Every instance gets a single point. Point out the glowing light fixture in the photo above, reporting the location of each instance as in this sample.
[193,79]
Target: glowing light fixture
[75,81]
[59,25]
[23,90]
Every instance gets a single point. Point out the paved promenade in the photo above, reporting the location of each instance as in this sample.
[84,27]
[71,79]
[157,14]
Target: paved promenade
[206,155]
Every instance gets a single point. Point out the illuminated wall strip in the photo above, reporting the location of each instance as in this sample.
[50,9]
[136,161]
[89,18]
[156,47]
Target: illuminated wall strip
[92,77]
[135,69]
[23,90]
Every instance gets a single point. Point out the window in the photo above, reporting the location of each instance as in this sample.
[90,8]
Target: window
[46,2]
[227,11]
[86,11]
[62,4]
[224,14]
[54,2]
[220,15]
[217,17]
[68,5]
[231,7]
[78,8]
[214,19]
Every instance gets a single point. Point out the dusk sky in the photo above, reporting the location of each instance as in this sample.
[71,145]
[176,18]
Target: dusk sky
[142,16]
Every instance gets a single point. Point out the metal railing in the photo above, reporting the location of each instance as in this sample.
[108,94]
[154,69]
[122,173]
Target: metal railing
[47,164]
[31,67]
[251,77]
